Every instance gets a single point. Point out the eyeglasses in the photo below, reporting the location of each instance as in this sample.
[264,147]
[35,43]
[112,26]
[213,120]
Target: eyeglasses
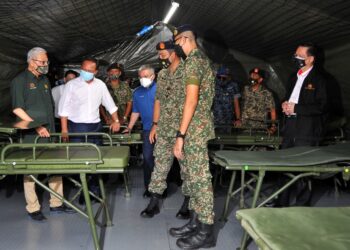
[221,77]
[42,62]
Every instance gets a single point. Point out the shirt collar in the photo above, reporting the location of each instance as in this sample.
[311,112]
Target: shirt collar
[305,73]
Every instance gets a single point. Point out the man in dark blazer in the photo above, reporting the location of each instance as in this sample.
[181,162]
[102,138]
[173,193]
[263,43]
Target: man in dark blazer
[305,109]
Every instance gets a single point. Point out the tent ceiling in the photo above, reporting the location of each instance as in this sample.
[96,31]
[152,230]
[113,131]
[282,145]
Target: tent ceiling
[69,29]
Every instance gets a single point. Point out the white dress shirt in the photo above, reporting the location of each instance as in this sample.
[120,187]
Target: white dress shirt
[80,101]
[57,92]
[294,97]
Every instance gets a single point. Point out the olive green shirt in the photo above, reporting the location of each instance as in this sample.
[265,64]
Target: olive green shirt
[198,71]
[121,96]
[171,97]
[33,95]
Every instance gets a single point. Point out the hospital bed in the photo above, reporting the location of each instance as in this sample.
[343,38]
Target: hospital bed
[299,228]
[56,158]
[296,163]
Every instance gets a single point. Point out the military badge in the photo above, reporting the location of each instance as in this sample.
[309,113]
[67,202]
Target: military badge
[175,32]
[162,46]
[46,86]
[32,85]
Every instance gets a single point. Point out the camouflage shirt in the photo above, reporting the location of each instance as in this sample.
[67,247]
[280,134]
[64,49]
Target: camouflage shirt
[198,71]
[256,105]
[171,98]
[225,93]
[121,96]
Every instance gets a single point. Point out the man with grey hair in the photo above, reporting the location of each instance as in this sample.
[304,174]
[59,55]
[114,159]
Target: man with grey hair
[143,104]
[32,101]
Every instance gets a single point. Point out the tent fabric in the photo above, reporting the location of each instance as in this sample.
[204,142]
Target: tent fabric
[265,30]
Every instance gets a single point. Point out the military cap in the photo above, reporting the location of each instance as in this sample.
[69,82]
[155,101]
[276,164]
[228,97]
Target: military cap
[116,66]
[258,71]
[183,28]
[165,45]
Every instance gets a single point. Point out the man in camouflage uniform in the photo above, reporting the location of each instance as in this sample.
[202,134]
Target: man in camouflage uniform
[226,101]
[257,103]
[120,92]
[166,119]
[195,129]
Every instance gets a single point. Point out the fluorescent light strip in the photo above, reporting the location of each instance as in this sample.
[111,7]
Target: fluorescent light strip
[174,6]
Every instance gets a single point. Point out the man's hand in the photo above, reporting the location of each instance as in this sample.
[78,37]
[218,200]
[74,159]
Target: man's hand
[285,107]
[272,130]
[178,148]
[237,123]
[115,127]
[153,135]
[42,132]
[64,136]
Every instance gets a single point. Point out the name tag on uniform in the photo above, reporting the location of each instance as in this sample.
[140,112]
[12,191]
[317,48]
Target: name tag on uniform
[32,85]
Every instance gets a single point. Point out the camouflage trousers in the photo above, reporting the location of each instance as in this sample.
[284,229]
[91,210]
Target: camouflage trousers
[195,168]
[163,160]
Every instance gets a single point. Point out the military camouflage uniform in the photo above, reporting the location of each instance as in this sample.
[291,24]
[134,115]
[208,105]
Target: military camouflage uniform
[171,97]
[121,96]
[256,105]
[225,93]
[201,129]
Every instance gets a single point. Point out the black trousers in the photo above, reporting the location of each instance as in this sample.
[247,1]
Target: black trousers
[299,191]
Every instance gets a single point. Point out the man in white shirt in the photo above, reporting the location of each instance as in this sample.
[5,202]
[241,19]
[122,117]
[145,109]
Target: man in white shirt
[57,91]
[79,105]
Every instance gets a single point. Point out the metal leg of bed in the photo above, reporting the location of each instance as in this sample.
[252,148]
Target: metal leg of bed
[228,196]
[105,202]
[89,211]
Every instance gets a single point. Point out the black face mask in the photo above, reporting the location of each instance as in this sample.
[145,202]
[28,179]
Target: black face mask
[165,63]
[253,81]
[114,77]
[180,52]
[299,62]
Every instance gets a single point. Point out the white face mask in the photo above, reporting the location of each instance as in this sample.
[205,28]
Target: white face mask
[145,82]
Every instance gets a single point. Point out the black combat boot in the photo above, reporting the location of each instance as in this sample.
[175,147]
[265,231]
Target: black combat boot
[184,212]
[203,238]
[153,206]
[187,229]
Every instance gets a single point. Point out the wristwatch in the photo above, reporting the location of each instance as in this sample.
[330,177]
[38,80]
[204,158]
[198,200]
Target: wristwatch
[117,121]
[178,134]
[155,123]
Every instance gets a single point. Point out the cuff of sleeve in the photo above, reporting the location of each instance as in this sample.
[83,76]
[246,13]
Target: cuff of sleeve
[111,111]
[192,81]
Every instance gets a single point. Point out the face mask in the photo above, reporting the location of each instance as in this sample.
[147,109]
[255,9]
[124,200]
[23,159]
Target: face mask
[253,81]
[114,77]
[180,52]
[87,76]
[145,82]
[42,69]
[165,63]
[299,62]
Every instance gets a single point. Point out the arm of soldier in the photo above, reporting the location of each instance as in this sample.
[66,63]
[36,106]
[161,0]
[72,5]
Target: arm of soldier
[22,114]
[127,111]
[104,115]
[18,104]
[273,127]
[237,107]
[191,101]
[156,115]
[129,103]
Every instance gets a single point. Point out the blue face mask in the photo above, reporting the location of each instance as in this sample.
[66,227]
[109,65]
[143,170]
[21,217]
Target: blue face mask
[87,76]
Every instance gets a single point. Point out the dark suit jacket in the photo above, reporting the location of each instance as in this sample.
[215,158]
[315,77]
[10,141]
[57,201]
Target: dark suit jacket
[311,109]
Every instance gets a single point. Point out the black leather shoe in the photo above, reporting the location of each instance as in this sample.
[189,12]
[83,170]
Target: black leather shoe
[187,229]
[184,212]
[37,216]
[153,206]
[203,238]
[62,209]
[146,194]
